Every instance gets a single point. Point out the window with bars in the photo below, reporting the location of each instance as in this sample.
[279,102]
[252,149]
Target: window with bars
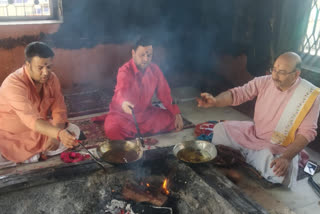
[30,11]
[310,48]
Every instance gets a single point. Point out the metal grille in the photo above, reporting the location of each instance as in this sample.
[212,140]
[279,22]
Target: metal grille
[24,8]
[310,48]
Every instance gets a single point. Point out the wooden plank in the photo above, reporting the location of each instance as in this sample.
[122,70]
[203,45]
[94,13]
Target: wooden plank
[37,177]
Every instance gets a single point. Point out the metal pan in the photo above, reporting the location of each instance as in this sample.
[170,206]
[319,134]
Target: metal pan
[195,151]
[120,151]
[116,152]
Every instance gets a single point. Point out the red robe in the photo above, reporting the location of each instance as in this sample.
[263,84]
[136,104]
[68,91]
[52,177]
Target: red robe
[138,88]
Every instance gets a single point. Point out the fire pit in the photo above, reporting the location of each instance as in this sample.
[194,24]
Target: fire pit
[154,184]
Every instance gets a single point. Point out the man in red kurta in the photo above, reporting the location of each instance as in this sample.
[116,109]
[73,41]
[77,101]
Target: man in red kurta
[137,81]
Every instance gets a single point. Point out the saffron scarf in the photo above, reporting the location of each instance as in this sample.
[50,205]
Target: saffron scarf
[297,108]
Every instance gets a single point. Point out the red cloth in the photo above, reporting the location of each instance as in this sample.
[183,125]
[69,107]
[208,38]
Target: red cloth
[304,157]
[205,128]
[150,141]
[73,157]
[138,88]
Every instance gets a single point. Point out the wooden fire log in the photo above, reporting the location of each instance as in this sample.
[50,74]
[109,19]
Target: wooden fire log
[135,193]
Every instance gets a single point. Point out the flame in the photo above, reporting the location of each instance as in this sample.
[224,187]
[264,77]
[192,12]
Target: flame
[148,185]
[164,187]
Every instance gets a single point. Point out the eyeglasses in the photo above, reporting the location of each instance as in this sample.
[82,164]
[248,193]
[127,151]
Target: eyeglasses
[281,72]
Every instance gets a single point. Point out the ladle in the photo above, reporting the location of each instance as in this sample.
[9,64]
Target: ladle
[82,137]
[137,127]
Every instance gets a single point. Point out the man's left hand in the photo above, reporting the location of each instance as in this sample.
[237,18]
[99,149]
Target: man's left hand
[280,166]
[178,122]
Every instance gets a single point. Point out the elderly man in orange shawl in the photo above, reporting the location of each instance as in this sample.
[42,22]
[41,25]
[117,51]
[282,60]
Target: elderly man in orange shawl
[27,97]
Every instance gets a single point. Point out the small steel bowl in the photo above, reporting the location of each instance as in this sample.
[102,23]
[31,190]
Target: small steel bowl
[195,151]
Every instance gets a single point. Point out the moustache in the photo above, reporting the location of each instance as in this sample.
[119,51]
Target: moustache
[276,80]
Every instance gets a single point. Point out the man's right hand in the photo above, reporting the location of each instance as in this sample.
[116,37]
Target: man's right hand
[67,139]
[206,100]
[127,107]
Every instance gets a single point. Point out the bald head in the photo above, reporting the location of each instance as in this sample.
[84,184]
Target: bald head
[291,59]
[286,69]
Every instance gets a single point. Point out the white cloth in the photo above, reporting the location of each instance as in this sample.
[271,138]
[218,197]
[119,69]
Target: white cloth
[298,106]
[4,163]
[259,159]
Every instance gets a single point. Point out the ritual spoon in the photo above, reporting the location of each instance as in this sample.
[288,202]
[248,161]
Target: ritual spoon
[137,127]
[92,156]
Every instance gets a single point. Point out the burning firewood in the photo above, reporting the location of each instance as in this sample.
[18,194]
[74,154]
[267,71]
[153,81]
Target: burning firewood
[138,194]
[165,187]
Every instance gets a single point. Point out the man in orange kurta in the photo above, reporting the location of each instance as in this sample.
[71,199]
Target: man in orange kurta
[27,97]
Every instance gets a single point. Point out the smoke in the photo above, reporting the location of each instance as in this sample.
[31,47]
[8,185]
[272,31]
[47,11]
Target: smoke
[189,29]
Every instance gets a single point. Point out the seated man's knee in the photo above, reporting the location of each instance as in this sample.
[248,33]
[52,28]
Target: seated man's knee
[218,127]
[221,137]
[261,160]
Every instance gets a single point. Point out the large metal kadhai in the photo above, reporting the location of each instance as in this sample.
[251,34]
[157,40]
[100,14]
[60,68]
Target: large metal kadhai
[195,151]
[120,151]
[116,152]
